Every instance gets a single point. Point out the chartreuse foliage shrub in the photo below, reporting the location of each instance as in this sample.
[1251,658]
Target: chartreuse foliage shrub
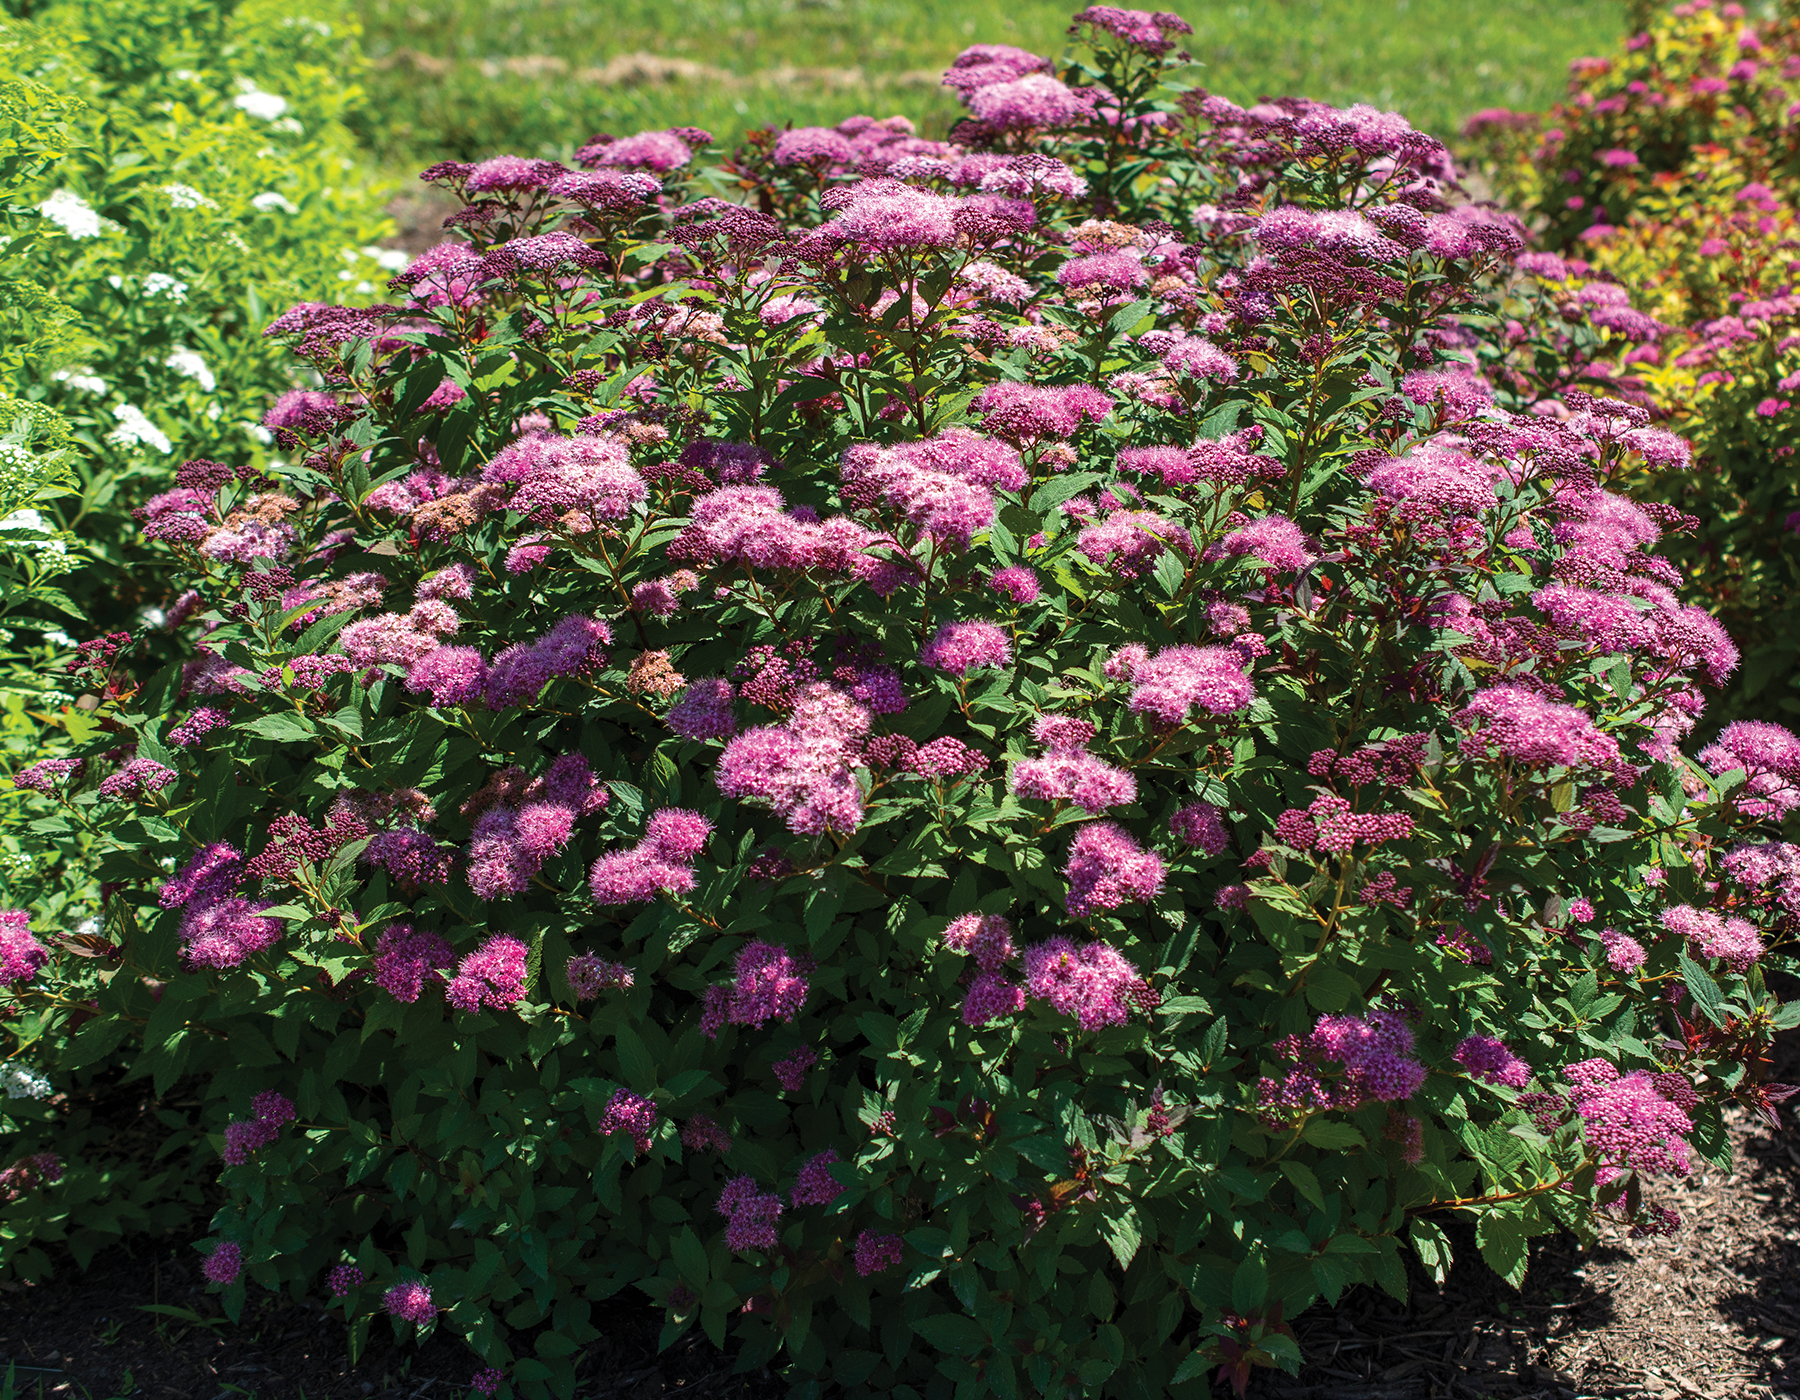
[990,769]
[208,182]
[1667,182]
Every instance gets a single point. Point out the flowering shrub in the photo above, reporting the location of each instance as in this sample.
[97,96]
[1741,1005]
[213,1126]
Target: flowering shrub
[1666,186]
[993,795]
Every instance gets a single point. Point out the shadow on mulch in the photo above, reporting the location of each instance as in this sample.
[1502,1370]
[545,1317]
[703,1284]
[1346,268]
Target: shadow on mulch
[81,1335]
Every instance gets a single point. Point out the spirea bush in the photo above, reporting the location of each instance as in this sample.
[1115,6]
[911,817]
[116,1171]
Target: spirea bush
[1666,186]
[990,770]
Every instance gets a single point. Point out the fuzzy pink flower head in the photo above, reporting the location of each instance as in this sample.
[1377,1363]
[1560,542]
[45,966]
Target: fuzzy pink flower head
[1489,1059]
[487,1381]
[1622,954]
[791,1071]
[1376,1054]
[1035,102]
[1017,583]
[676,834]
[343,1278]
[1171,684]
[1062,731]
[985,937]
[768,986]
[221,935]
[631,1114]
[1710,934]
[991,997]
[1074,775]
[1148,31]
[661,151]
[1108,869]
[704,711]
[449,675]
[877,1253]
[815,1185]
[407,959]
[1093,983]
[493,975]
[1273,540]
[635,876]
[813,146]
[1435,481]
[224,1264]
[887,216]
[21,955]
[1534,732]
[1202,825]
[410,1302]
[1630,1124]
[961,647]
[1769,754]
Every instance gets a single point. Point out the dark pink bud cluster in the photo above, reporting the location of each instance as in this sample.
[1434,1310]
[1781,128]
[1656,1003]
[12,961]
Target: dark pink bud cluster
[342,1279]
[270,1113]
[751,1215]
[46,774]
[1331,826]
[631,1114]
[877,1253]
[30,1173]
[292,840]
[137,777]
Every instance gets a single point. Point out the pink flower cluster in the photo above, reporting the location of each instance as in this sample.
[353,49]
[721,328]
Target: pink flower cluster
[218,930]
[701,1134]
[750,526]
[1710,934]
[1069,773]
[1771,868]
[815,1186]
[1029,415]
[410,1302]
[662,862]
[1202,825]
[769,984]
[791,1070]
[528,821]
[493,975]
[270,1112]
[1770,758]
[803,768]
[1536,733]
[943,485]
[573,483]
[1628,1120]
[21,955]
[961,647]
[408,959]
[1093,983]
[1272,540]
[877,1253]
[224,1264]
[28,1174]
[589,975]
[1346,1062]
[1107,869]
[1486,1058]
[1171,684]
[631,1114]
[1129,542]
[750,1214]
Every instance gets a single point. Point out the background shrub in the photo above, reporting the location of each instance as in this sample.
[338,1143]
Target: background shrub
[1667,183]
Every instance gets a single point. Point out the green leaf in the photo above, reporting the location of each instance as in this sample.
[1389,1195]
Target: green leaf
[1124,1236]
[282,728]
[1304,1181]
[1331,1135]
[1503,1240]
[1249,1286]
[635,1060]
[1703,989]
[690,1256]
[960,1336]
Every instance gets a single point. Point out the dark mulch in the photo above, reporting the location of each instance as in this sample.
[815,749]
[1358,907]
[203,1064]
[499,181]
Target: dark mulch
[87,1333]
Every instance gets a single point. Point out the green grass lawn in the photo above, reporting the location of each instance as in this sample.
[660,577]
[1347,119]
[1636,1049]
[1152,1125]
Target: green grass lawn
[468,78]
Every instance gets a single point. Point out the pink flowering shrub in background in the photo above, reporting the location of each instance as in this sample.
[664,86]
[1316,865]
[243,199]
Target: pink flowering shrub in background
[993,768]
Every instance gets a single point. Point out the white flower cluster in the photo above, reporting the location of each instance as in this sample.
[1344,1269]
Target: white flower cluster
[136,430]
[160,284]
[72,214]
[22,1083]
[188,364]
